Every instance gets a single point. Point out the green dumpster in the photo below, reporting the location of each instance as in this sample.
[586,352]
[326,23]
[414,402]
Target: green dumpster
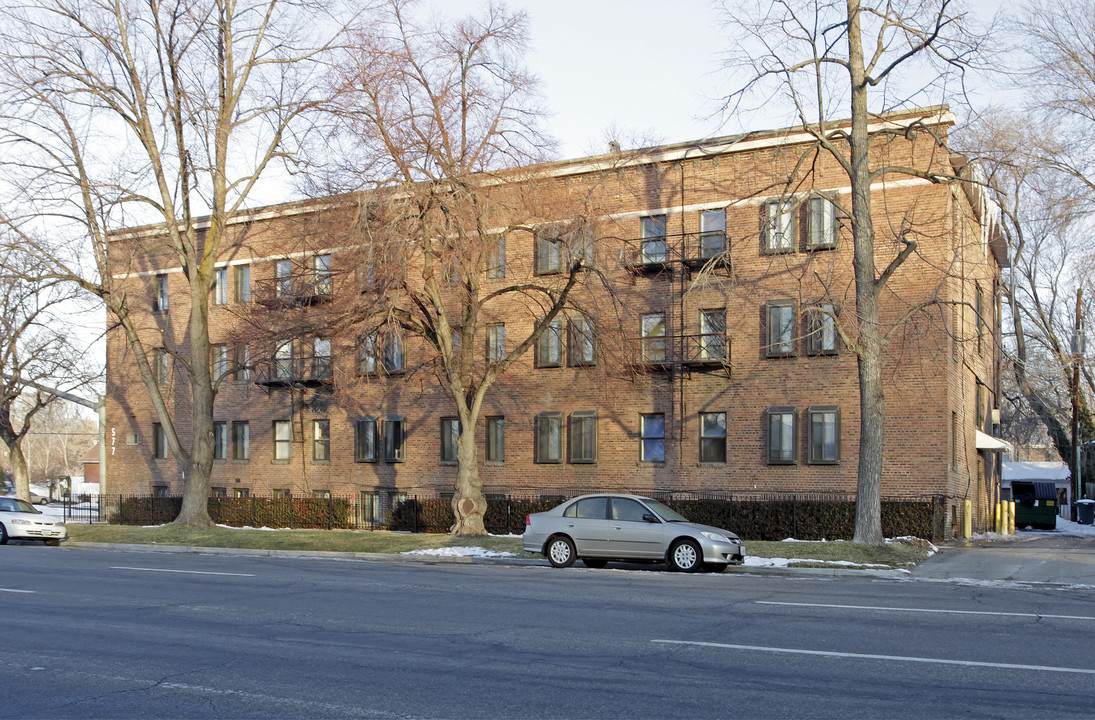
[1035,504]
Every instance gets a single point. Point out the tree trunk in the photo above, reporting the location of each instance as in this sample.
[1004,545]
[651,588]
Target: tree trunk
[468,503]
[872,415]
[20,472]
[196,471]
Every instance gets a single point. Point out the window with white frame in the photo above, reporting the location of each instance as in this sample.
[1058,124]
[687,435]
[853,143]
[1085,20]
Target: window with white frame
[653,337]
[219,291]
[652,247]
[548,446]
[283,438]
[219,362]
[496,256]
[220,440]
[393,353]
[367,362]
[713,334]
[712,233]
[779,227]
[496,343]
[321,358]
[713,437]
[781,328]
[321,440]
[243,283]
[652,437]
[241,362]
[161,366]
[321,274]
[549,251]
[160,295]
[782,434]
[283,360]
[283,278]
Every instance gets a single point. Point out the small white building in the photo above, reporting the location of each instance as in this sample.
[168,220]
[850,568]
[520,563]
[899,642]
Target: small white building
[1057,473]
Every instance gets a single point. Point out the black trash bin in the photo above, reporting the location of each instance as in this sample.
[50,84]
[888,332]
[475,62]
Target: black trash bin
[1085,512]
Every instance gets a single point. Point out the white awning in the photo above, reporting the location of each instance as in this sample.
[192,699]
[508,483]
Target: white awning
[992,444]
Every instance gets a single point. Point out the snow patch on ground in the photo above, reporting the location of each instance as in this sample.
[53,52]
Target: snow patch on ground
[460,552]
[787,562]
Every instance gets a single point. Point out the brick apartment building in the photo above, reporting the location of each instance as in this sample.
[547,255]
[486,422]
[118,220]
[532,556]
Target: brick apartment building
[731,271]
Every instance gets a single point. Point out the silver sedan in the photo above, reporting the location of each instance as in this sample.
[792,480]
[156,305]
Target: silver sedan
[599,528]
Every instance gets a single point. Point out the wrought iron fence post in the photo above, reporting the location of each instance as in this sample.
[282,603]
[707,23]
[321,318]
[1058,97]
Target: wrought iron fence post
[414,514]
[794,516]
[330,512]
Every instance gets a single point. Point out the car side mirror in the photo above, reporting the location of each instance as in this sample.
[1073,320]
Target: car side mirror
[650,518]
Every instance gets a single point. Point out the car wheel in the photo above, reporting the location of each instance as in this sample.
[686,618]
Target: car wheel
[3,534]
[596,563]
[52,542]
[685,556]
[561,552]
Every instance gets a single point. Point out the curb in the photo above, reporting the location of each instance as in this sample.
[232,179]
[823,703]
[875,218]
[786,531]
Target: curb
[443,559]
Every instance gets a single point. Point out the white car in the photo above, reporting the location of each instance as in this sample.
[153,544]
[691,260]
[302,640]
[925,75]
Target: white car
[21,521]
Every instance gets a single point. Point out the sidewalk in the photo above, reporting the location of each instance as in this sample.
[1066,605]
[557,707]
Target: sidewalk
[1031,557]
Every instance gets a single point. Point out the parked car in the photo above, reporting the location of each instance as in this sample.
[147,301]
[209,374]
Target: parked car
[599,528]
[20,520]
[35,498]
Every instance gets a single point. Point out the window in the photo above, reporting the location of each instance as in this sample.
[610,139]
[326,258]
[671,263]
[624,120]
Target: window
[450,435]
[781,436]
[496,256]
[954,441]
[549,251]
[159,301]
[283,278]
[496,343]
[393,353]
[161,366]
[283,435]
[243,283]
[241,362]
[220,440]
[321,439]
[219,492]
[653,337]
[241,493]
[496,439]
[583,437]
[219,365]
[321,494]
[549,348]
[161,491]
[321,275]
[652,239]
[241,440]
[580,243]
[979,319]
[779,227]
[712,233]
[367,354]
[549,438]
[627,510]
[394,439]
[159,442]
[365,440]
[652,437]
[713,334]
[781,329]
[282,493]
[283,360]
[321,358]
[979,409]
[713,437]
[219,290]
[822,225]
[821,337]
[594,508]
[823,435]
[581,342]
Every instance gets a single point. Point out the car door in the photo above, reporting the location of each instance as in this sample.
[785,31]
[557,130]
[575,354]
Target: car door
[586,521]
[630,536]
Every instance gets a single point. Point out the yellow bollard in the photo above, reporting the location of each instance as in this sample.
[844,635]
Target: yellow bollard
[996,517]
[1005,516]
[967,520]
[1011,517]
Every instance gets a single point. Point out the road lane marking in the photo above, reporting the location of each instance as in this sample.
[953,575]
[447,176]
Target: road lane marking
[927,610]
[187,572]
[27,592]
[869,656]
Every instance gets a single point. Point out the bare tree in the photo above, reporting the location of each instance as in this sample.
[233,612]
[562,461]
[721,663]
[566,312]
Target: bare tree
[441,116]
[830,60]
[117,113]
[34,349]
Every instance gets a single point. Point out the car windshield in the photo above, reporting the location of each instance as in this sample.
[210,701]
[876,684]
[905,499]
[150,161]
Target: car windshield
[16,505]
[667,513]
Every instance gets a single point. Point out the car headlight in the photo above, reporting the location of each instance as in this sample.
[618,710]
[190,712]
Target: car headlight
[17,521]
[719,538]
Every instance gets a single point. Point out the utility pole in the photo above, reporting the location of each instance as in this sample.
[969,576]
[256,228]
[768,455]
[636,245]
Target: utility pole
[1078,343]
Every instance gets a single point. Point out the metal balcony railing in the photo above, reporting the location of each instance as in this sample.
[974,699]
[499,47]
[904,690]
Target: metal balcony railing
[690,249]
[694,350]
[309,370]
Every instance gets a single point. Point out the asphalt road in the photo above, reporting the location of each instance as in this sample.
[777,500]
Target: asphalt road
[104,633]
